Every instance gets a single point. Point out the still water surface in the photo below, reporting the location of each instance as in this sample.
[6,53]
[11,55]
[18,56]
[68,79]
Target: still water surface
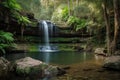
[61,57]
[57,58]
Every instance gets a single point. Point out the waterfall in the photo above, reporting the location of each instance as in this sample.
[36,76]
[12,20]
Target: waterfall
[47,29]
[46,34]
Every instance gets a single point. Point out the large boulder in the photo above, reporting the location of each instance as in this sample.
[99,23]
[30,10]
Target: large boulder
[112,63]
[28,66]
[4,66]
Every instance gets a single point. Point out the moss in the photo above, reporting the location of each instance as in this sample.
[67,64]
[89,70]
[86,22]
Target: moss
[28,71]
[31,70]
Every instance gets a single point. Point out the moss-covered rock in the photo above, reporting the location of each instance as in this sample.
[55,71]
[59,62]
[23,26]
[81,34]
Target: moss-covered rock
[4,67]
[28,66]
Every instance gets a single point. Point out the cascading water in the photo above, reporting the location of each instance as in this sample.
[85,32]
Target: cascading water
[47,31]
[46,35]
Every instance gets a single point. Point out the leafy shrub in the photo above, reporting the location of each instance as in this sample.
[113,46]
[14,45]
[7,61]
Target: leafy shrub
[64,13]
[12,5]
[23,20]
[76,22]
[6,40]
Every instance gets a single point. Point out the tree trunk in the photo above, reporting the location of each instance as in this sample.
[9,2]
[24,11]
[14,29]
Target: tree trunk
[22,32]
[107,23]
[77,4]
[69,8]
[73,6]
[54,4]
[116,24]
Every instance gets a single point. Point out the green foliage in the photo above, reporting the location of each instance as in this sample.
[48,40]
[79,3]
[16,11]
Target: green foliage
[12,5]
[10,10]
[23,20]
[60,13]
[64,13]
[32,6]
[82,23]
[73,19]
[76,22]
[14,10]
[6,40]
[6,37]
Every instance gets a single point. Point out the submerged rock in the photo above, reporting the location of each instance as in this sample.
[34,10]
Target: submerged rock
[28,66]
[112,63]
[4,66]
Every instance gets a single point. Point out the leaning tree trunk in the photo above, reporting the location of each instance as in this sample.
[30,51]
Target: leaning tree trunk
[107,23]
[116,25]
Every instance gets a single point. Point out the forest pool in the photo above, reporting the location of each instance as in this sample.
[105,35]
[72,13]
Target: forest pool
[61,57]
[83,65]
[65,56]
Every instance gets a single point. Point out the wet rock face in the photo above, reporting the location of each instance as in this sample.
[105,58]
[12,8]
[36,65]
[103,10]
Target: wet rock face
[4,66]
[112,63]
[28,66]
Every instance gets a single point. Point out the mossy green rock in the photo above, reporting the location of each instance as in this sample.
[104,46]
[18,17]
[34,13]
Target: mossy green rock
[28,66]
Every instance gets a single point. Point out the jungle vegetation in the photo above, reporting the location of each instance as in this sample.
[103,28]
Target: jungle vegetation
[101,18]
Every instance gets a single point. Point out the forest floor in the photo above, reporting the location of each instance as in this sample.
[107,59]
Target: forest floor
[89,70]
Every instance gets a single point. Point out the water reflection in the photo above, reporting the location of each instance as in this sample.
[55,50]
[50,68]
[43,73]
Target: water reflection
[99,58]
[62,57]
[84,56]
[46,57]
